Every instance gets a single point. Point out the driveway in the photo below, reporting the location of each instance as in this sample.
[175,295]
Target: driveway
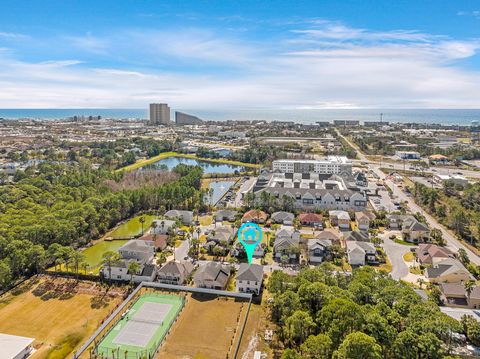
[395,253]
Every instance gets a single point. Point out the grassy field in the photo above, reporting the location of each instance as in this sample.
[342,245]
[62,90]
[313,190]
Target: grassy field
[132,227]
[60,314]
[149,161]
[205,329]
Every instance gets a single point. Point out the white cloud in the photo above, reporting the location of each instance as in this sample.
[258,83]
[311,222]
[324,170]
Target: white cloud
[327,65]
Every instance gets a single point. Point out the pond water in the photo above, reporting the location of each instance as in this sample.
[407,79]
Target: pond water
[208,167]
[219,189]
[93,254]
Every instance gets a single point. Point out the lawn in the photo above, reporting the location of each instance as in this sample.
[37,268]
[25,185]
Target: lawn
[132,227]
[205,329]
[93,254]
[405,243]
[408,257]
[59,313]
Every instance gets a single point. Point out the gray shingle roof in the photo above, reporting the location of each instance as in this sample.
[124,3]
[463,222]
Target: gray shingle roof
[252,272]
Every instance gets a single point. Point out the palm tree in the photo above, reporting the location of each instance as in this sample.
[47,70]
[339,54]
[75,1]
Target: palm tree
[469,287]
[420,282]
[142,221]
[133,268]
[154,227]
[108,258]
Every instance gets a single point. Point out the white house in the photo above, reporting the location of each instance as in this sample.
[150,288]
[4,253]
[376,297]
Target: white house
[249,278]
[359,253]
[186,217]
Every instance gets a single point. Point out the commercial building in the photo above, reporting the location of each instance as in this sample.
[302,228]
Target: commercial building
[408,155]
[183,119]
[159,114]
[346,122]
[15,347]
[331,165]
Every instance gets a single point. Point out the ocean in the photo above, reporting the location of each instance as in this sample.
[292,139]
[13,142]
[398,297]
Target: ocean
[305,116]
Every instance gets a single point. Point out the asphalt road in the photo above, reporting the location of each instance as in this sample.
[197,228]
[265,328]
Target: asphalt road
[452,242]
[395,253]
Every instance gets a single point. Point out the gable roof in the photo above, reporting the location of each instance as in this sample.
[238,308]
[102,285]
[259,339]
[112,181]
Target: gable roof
[339,214]
[254,214]
[213,271]
[310,217]
[359,246]
[135,245]
[314,243]
[252,272]
[444,266]
[361,236]
[181,268]
[283,216]
[328,234]
[427,251]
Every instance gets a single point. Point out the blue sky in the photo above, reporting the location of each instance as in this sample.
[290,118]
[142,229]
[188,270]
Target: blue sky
[241,54]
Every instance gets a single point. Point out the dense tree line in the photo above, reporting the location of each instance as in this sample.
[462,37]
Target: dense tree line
[325,314]
[257,153]
[69,205]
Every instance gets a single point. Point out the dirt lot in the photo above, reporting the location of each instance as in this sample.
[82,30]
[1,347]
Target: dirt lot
[59,313]
[205,329]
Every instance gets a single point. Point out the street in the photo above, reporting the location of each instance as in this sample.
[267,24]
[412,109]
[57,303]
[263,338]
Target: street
[452,242]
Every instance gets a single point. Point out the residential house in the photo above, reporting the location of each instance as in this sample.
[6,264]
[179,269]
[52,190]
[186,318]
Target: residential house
[221,234]
[318,249]
[359,236]
[212,275]
[137,250]
[426,252]
[360,253]
[311,220]
[175,272]
[360,179]
[158,241]
[249,278]
[225,215]
[186,217]
[285,218]
[363,220]
[412,229]
[340,219]
[255,215]
[454,294]
[163,226]
[287,243]
[239,250]
[447,270]
[330,234]
[132,251]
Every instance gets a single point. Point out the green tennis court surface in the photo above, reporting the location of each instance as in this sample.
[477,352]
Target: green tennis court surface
[142,329]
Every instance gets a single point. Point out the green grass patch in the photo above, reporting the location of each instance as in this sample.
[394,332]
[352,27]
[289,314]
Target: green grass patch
[401,241]
[132,227]
[65,346]
[408,257]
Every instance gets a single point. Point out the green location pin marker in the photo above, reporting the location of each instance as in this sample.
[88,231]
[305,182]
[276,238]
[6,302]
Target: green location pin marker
[250,235]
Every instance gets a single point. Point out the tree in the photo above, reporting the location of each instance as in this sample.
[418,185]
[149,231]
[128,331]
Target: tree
[290,354]
[437,237]
[471,328]
[429,346]
[299,326]
[317,347]
[6,275]
[161,258]
[358,345]
[77,259]
[133,269]
[142,221]
[108,259]
[405,345]
[463,256]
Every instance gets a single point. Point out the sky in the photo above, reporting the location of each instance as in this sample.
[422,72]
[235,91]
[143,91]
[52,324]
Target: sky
[240,54]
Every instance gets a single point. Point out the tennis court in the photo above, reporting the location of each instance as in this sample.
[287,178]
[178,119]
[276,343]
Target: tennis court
[142,328]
